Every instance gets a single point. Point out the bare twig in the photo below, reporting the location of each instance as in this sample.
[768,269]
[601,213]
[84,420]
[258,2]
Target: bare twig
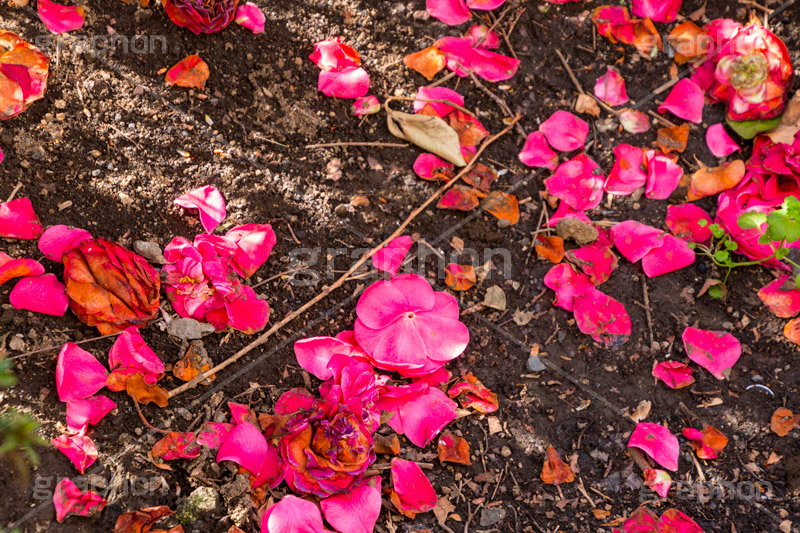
[443,79]
[41,350]
[14,191]
[146,423]
[339,282]
[502,103]
[648,314]
[279,275]
[435,100]
[376,144]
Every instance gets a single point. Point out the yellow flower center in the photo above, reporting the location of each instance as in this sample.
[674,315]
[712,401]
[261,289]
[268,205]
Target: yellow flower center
[750,71]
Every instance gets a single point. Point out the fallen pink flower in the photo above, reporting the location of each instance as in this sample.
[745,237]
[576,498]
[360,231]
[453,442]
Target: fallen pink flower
[18,268]
[131,355]
[689,222]
[314,354]
[69,500]
[292,514]
[675,521]
[18,220]
[423,416]
[564,131]
[431,167]
[610,88]
[78,448]
[634,121]
[366,105]
[390,257]
[674,374]
[253,244]
[451,12]
[437,93]
[635,240]
[351,82]
[782,297]
[537,153]
[577,182]
[40,294]
[88,410]
[209,202]
[673,254]
[566,283]
[602,317]
[657,10]
[594,260]
[404,326]
[627,174]
[79,374]
[719,142]
[357,511]
[658,480]
[59,240]
[716,351]
[414,492]
[251,17]
[686,101]
[332,54]
[663,175]
[658,443]
[58,18]
[481,36]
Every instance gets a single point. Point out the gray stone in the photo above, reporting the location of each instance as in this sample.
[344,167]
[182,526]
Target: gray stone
[150,251]
[189,328]
[535,364]
[201,502]
[491,516]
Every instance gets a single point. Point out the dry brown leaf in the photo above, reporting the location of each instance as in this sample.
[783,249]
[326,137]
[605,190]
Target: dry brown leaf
[193,363]
[430,133]
[551,248]
[453,449]
[144,393]
[503,206]
[641,411]
[790,123]
[387,444]
[587,105]
[555,471]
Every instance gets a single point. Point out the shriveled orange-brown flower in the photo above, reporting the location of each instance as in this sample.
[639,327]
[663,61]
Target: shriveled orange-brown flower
[110,287]
[555,471]
[23,74]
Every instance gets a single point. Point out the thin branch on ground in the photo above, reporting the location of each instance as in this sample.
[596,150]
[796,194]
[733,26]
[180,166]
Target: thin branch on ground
[49,348]
[146,423]
[339,282]
[14,191]
[376,144]
[435,100]
[442,80]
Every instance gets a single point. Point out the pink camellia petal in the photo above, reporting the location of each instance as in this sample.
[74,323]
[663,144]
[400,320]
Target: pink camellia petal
[451,12]
[245,446]
[249,16]
[292,515]
[716,351]
[246,311]
[567,283]
[566,211]
[351,82]
[366,105]
[594,260]
[18,220]
[663,175]
[332,54]
[782,297]
[635,240]
[676,521]
[610,88]
[481,36]
[88,410]
[627,174]
[673,254]
[390,257]
[674,374]
[357,511]
[537,153]
[658,480]
[492,66]
[79,374]
[18,268]
[642,520]
[40,294]
[578,182]
[58,18]
[424,416]
[314,354]
[689,222]
[686,101]
[658,443]
[485,5]
[209,202]
[437,93]
[69,500]
[719,142]
[602,317]
[213,434]
[130,352]
[241,413]
[634,121]
[431,167]
[414,491]
[2,155]
[78,448]
[657,10]
[254,243]
[59,240]
[564,131]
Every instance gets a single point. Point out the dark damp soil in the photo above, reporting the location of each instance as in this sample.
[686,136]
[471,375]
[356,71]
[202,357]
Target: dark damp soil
[111,146]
